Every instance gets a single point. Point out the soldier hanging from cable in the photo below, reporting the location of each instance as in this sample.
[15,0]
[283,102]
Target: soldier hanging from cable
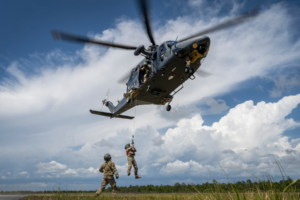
[130,151]
[109,169]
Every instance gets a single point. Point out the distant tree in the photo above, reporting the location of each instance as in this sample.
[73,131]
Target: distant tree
[177,187]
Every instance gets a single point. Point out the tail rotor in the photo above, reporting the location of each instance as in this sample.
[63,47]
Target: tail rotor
[106,98]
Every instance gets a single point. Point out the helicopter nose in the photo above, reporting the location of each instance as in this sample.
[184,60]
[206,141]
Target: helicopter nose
[185,48]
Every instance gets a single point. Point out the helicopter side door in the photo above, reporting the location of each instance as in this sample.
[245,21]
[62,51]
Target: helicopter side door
[134,82]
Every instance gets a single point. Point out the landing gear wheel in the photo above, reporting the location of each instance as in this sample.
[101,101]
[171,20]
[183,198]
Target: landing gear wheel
[168,107]
[186,70]
[128,100]
[191,71]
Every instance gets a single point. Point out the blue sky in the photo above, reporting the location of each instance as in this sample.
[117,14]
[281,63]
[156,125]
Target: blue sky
[250,105]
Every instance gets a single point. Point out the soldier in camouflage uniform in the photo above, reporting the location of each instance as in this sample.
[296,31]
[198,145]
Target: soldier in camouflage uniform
[130,151]
[109,169]
[147,68]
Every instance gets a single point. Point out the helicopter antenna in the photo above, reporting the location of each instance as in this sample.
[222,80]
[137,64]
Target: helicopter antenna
[105,100]
[176,38]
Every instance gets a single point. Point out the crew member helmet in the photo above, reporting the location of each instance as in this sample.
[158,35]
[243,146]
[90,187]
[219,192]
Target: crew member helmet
[107,157]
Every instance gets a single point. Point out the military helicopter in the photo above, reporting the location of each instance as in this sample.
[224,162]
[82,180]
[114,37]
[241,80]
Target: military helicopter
[167,66]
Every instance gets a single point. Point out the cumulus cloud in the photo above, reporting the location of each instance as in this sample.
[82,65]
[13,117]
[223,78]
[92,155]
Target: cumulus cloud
[58,169]
[239,130]
[103,143]
[51,167]
[23,172]
[3,177]
[158,141]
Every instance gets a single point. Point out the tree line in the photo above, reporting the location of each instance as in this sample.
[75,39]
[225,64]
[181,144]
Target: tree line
[241,186]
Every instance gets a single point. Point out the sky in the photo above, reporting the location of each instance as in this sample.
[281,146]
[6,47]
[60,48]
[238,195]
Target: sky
[242,117]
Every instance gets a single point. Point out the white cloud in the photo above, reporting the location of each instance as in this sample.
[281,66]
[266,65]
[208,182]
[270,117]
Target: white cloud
[165,159]
[3,177]
[158,141]
[195,2]
[155,164]
[23,172]
[8,173]
[59,169]
[216,106]
[284,82]
[252,132]
[51,167]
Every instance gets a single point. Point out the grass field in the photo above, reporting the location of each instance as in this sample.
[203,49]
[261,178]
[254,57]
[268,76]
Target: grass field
[175,196]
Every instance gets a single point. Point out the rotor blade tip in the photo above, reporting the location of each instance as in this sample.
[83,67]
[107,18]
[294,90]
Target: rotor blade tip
[55,35]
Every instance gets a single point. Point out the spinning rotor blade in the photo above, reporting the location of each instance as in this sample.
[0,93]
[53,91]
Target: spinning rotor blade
[230,23]
[203,73]
[57,35]
[144,8]
[125,77]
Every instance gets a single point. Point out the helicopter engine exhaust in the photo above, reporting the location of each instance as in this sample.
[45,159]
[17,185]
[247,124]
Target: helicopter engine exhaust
[141,49]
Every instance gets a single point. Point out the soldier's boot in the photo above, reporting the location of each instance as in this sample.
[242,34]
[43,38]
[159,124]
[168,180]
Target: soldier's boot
[137,177]
[98,192]
[136,173]
[128,173]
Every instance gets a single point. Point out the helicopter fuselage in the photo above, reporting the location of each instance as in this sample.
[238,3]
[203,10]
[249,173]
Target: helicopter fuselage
[172,63]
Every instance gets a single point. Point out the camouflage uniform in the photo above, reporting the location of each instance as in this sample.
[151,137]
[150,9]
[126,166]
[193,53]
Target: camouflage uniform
[131,161]
[146,67]
[108,177]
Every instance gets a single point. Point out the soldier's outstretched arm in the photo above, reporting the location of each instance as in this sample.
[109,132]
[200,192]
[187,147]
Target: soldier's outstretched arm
[113,166]
[101,168]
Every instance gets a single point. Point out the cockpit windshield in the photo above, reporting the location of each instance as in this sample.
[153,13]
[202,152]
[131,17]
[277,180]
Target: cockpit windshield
[171,43]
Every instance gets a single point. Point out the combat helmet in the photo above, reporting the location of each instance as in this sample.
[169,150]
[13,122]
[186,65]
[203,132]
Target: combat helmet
[107,157]
[127,145]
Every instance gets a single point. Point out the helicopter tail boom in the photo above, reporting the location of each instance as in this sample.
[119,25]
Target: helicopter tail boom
[110,115]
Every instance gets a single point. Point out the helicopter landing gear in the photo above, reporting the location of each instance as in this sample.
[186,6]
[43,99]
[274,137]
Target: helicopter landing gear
[168,108]
[128,99]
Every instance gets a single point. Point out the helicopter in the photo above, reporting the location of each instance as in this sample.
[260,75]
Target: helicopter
[161,74]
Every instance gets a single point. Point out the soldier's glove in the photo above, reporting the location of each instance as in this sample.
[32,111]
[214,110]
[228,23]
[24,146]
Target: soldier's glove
[117,177]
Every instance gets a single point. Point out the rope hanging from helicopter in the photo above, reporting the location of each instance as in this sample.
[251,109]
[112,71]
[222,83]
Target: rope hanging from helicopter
[135,102]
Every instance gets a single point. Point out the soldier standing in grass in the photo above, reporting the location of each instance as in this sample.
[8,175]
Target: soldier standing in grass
[130,151]
[109,169]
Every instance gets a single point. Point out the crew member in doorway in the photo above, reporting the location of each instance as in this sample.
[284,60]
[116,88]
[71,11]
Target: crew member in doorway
[147,68]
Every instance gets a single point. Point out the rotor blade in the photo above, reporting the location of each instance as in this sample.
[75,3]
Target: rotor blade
[57,35]
[227,24]
[125,77]
[203,73]
[144,8]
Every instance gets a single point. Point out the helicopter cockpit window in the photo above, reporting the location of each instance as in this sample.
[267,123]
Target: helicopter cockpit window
[171,43]
[162,52]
